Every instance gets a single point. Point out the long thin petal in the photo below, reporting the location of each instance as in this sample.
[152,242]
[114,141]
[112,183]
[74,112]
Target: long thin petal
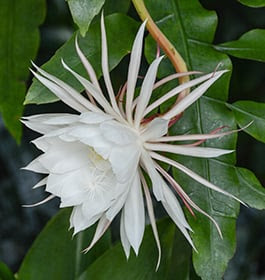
[91,89]
[193,175]
[124,239]
[134,217]
[157,182]
[40,183]
[102,226]
[60,93]
[203,152]
[90,71]
[176,91]
[146,91]
[193,96]
[133,71]
[36,166]
[173,77]
[174,207]
[69,91]
[151,214]
[178,188]
[178,224]
[40,202]
[38,126]
[105,66]
[189,137]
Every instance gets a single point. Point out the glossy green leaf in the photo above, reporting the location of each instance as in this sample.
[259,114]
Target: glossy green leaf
[19,41]
[83,12]
[191,29]
[56,255]
[113,264]
[114,6]
[5,272]
[117,25]
[249,46]
[253,3]
[250,189]
[248,111]
[213,252]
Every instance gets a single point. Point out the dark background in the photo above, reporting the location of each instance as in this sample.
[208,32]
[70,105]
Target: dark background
[19,226]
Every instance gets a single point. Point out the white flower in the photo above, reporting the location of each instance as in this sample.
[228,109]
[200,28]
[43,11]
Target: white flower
[95,161]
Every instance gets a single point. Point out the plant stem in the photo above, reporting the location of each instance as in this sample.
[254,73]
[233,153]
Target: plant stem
[174,56]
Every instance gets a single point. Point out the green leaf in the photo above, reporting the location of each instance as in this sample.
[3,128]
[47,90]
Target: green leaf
[19,41]
[249,46]
[118,26]
[114,6]
[143,266]
[5,272]
[250,190]
[191,29]
[248,111]
[56,255]
[253,3]
[213,252]
[83,12]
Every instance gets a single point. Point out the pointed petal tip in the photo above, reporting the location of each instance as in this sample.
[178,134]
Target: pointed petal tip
[48,198]
[63,63]
[32,71]
[127,255]
[76,43]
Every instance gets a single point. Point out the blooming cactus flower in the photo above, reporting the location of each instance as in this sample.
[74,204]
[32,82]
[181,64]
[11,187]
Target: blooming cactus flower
[95,161]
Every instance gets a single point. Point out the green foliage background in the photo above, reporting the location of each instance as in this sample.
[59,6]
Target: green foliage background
[234,36]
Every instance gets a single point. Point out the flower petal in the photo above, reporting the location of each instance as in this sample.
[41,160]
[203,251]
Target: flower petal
[155,129]
[92,90]
[124,161]
[63,91]
[40,183]
[176,91]
[174,207]
[188,137]
[203,152]
[133,71]
[79,222]
[177,222]
[151,214]
[193,96]
[193,175]
[117,133]
[105,66]
[146,91]
[87,65]
[157,181]
[94,118]
[124,239]
[63,119]
[134,217]
[40,202]
[55,160]
[36,166]
[102,226]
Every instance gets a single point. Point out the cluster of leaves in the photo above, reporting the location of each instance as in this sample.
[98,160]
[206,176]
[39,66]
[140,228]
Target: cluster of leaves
[191,29]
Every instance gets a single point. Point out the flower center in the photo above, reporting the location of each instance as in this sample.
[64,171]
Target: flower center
[101,176]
